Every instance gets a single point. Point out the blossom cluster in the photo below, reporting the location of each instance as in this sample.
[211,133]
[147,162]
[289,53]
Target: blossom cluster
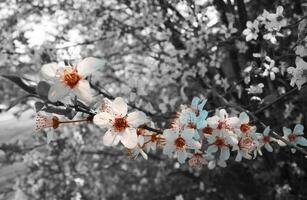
[193,136]
[271,22]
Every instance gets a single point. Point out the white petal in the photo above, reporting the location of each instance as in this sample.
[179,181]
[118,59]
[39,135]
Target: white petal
[83,91]
[103,119]
[286,131]
[212,149]
[89,65]
[213,121]
[111,138]
[233,121]
[302,141]
[223,114]
[119,106]
[299,129]
[188,134]
[169,149]
[244,118]
[268,147]
[225,153]
[130,138]
[182,156]
[48,71]
[137,118]
[141,140]
[239,157]
[58,91]
[266,131]
[212,164]
[170,134]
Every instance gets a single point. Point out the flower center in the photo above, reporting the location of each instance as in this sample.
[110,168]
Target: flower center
[120,124]
[154,138]
[180,143]
[71,77]
[222,124]
[191,125]
[140,131]
[244,128]
[219,142]
[292,137]
[246,143]
[266,139]
[207,130]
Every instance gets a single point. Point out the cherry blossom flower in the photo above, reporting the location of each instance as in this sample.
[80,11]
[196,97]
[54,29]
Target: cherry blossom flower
[299,76]
[271,36]
[198,160]
[244,125]
[251,31]
[255,89]
[221,141]
[139,148]
[179,141]
[121,127]
[194,117]
[270,68]
[71,79]
[221,121]
[277,20]
[295,137]
[301,51]
[246,144]
[265,139]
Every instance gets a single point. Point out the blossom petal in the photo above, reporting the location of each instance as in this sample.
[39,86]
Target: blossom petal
[244,118]
[201,119]
[170,134]
[212,164]
[266,131]
[119,106]
[239,157]
[58,91]
[169,149]
[212,149]
[83,91]
[299,129]
[286,131]
[89,65]
[182,156]
[130,138]
[213,121]
[137,118]
[111,138]
[268,147]
[48,71]
[188,134]
[103,119]
[302,141]
[225,153]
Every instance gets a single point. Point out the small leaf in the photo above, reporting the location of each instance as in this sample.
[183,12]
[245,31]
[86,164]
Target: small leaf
[42,89]
[20,82]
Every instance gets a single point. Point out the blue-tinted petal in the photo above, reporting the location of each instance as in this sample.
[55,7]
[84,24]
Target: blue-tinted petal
[299,129]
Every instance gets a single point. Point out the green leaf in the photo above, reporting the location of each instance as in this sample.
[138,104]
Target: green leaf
[20,82]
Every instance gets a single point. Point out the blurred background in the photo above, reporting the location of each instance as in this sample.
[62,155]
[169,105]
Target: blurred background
[159,54]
